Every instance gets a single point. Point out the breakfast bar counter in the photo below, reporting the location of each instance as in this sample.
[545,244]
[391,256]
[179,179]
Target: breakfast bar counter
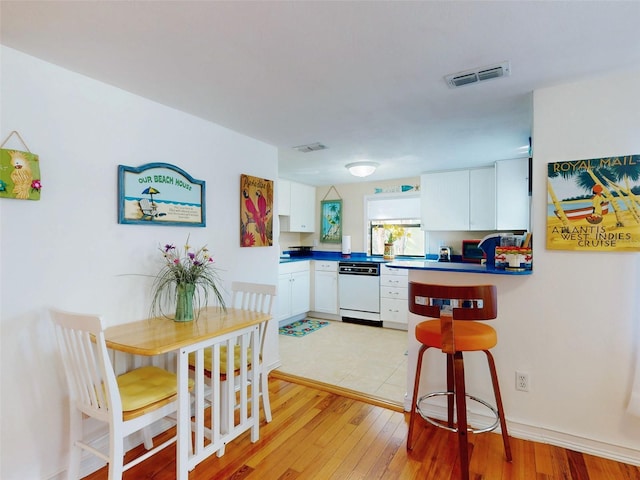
[454,273]
[434,265]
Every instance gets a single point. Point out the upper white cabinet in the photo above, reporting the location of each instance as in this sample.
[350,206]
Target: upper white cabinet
[512,194]
[297,208]
[284,197]
[449,190]
[459,200]
[482,199]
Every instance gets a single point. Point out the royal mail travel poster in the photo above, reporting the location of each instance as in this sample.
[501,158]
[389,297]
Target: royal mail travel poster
[594,204]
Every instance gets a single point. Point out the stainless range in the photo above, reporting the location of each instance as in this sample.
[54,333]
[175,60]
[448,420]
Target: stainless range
[359,292]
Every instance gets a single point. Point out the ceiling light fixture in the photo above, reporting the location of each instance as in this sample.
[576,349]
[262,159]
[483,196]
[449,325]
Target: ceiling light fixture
[362,169]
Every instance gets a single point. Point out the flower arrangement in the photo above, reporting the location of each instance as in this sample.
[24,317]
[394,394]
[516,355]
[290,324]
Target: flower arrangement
[185,280]
[393,233]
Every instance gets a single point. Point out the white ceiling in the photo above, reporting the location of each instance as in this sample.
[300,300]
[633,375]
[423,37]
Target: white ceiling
[363,78]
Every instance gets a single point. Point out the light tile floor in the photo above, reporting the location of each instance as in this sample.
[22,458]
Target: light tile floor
[365,359]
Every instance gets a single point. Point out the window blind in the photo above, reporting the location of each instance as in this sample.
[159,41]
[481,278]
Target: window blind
[394,208]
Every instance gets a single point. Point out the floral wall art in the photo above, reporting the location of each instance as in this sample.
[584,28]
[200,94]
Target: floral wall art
[594,204]
[256,211]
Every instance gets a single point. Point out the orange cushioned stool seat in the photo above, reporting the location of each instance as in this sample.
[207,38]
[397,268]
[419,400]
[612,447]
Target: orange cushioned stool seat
[470,336]
[455,329]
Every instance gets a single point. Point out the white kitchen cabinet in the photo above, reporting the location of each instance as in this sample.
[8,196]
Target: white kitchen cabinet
[458,200]
[445,200]
[482,199]
[301,215]
[294,287]
[394,296]
[325,287]
[284,197]
[512,194]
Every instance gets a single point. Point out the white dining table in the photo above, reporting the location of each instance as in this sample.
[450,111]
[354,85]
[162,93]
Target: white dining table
[214,328]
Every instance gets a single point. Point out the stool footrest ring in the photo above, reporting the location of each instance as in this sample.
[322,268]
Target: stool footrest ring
[443,424]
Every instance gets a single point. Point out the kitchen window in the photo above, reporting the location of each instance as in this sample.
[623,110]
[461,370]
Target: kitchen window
[409,237]
[399,213]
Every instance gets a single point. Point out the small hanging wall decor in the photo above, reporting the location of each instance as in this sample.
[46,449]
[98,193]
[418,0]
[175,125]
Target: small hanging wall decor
[19,172]
[256,211]
[331,218]
[160,194]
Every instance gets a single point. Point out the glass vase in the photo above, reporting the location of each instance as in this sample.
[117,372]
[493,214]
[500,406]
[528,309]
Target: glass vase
[184,302]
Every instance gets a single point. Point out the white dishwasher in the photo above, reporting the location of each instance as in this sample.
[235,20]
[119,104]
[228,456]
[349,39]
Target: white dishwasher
[359,292]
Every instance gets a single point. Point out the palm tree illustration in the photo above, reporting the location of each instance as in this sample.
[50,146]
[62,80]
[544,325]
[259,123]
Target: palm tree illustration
[625,172]
[606,192]
[586,179]
[556,203]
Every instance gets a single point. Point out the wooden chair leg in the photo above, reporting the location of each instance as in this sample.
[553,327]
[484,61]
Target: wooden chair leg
[416,387]
[461,411]
[264,393]
[496,391]
[450,388]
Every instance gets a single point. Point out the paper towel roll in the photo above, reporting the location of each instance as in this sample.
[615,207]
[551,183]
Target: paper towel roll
[346,244]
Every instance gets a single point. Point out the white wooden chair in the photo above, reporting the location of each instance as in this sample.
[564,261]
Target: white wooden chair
[128,403]
[256,297]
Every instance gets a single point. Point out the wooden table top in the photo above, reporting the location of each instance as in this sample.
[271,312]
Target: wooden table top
[156,336]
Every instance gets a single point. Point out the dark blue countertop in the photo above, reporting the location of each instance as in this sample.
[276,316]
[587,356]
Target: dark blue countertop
[335,256]
[452,267]
[409,263]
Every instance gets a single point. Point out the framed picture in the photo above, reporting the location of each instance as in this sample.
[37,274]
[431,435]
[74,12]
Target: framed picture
[256,211]
[331,221]
[593,204]
[19,175]
[160,194]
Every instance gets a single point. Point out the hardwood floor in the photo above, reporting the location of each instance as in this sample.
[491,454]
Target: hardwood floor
[320,435]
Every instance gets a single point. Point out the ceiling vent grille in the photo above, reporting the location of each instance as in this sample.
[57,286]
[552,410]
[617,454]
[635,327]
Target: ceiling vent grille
[312,147]
[468,77]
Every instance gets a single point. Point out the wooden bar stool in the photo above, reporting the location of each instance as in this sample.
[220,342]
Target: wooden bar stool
[454,333]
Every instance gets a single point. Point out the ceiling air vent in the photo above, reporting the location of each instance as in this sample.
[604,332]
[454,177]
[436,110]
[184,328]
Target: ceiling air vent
[312,147]
[478,75]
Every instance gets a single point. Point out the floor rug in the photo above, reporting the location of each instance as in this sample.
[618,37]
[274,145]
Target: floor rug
[302,327]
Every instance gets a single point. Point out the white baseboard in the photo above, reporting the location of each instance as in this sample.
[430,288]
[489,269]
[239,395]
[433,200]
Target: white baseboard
[325,316]
[549,436]
[289,320]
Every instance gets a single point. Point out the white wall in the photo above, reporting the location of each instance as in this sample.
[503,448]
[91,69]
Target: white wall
[573,324]
[584,316]
[67,250]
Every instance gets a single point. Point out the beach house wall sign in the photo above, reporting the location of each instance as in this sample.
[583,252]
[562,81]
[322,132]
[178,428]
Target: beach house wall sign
[160,194]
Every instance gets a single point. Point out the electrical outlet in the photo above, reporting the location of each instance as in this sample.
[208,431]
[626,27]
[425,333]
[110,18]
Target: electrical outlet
[522,381]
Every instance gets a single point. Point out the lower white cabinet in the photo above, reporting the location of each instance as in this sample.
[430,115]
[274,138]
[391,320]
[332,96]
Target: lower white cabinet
[325,287]
[294,286]
[394,296]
